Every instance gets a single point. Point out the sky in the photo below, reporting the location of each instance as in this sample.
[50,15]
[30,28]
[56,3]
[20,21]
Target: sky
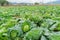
[31,1]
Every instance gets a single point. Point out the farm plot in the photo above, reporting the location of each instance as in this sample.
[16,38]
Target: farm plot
[30,23]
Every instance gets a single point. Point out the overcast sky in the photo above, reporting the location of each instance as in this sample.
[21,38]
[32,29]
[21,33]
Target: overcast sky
[31,1]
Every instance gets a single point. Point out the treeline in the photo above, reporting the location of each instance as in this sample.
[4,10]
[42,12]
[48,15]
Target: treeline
[5,2]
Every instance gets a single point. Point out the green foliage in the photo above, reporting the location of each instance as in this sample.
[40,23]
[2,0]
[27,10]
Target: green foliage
[55,36]
[33,34]
[58,27]
[30,23]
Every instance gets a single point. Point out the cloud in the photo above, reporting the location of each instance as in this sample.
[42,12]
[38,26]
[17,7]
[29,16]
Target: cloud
[31,1]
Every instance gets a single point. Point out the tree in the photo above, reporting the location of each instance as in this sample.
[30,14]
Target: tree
[2,2]
[36,3]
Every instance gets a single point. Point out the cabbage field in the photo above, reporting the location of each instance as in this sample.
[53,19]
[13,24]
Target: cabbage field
[30,23]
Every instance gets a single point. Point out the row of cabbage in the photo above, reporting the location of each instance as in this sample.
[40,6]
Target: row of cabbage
[30,23]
